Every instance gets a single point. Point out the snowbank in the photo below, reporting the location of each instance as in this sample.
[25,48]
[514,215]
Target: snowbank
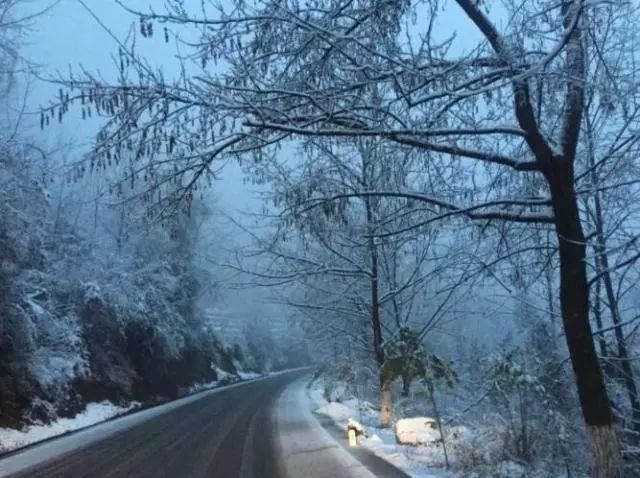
[11,439]
[417,431]
[248,375]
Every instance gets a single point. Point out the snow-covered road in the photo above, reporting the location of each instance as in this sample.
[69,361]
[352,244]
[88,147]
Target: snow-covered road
[261,429]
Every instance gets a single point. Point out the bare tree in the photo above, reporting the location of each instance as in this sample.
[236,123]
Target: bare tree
[354,283]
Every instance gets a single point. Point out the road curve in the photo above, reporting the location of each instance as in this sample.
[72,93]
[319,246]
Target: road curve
[260,429]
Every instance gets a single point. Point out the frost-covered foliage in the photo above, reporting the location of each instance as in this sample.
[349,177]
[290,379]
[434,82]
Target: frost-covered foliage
[405,358]
[339,381]
[82,323]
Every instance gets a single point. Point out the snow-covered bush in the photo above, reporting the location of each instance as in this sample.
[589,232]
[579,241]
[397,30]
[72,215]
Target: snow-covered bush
[339,381]
[86,321]
[405,358]
[524,415]
[476,449]
[41,351]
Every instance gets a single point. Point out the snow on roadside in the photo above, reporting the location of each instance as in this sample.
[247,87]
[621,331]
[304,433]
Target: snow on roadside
[224,376]
[249,375]
[418,462]
[201,387]
[94,413]
[11,439]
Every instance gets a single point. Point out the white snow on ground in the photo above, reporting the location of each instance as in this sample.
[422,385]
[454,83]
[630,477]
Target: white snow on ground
[418,462]
[223,375]
[248,375]
[424,460]
[11,439]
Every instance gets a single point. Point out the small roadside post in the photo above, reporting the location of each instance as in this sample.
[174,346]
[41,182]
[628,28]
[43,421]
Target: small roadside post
[353,430]
[352,437]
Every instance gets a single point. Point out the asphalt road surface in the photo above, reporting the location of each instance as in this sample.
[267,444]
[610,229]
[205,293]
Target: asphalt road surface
[246,431]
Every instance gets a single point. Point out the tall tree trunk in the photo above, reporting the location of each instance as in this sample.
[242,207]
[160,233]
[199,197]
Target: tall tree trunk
[558,170]
[386,404]
[574,301]
[574,287]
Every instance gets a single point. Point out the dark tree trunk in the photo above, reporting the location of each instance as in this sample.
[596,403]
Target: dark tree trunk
[574,301]
[376,325]
[406,385]
[558,170]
